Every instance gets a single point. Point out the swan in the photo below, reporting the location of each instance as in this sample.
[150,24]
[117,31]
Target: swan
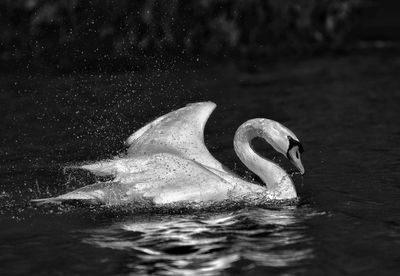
[167,162]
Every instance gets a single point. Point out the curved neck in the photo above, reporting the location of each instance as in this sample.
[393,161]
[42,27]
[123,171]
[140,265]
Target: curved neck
[274,177]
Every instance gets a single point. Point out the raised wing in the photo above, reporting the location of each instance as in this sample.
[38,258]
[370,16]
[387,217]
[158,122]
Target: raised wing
[179,132]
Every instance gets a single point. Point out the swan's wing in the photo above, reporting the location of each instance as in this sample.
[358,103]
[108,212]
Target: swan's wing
[161,178]
[180,132]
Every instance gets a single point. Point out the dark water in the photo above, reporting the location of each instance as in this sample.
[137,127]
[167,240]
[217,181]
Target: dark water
[344,110]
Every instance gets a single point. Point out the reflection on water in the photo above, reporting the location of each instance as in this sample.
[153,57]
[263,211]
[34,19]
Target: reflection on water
[207,244]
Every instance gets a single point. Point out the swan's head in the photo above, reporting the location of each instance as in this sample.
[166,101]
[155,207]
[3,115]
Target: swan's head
[284,141]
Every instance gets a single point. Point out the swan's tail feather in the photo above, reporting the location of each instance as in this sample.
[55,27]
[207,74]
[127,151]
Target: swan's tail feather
[50,200]
[104,168]
[93,194]
[59,201]
[100,169]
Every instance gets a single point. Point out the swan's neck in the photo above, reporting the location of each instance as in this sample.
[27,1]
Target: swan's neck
[274,177]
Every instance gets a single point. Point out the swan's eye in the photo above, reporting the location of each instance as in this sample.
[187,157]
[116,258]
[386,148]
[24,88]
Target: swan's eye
[294,143]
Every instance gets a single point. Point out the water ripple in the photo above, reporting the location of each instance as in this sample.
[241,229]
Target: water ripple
[207,244]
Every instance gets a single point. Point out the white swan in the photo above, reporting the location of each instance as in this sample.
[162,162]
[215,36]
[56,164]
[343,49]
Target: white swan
[168,162]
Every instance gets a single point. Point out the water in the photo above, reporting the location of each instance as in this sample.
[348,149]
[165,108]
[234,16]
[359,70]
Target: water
[344,110]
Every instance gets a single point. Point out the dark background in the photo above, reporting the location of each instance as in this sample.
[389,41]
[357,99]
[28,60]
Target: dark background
[124,35]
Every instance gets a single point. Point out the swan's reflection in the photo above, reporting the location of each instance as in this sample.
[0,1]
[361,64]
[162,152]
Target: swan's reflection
[209,243]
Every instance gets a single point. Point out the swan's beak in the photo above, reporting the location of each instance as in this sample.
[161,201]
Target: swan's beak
[294,157]
[297,163]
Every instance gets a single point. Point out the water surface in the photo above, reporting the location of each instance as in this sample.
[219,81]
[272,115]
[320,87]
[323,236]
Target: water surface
[344,110]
